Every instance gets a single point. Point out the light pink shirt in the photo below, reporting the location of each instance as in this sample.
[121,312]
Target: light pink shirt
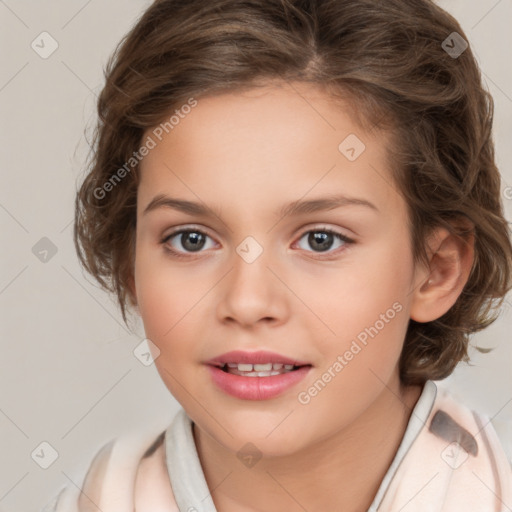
[450,460]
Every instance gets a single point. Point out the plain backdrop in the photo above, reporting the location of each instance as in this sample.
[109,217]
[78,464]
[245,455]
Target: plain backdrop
[69,377]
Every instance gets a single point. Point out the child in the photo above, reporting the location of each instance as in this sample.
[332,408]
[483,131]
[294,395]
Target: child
[254,131]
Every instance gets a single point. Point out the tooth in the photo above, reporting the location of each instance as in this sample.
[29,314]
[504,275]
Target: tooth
[277,366]
[263,367]
[233,365]
[242,367]
[288,366]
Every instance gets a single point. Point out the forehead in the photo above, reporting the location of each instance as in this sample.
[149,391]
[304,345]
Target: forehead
[275,142]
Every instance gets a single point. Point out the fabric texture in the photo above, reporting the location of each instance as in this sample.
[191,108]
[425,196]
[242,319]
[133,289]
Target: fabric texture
[450,459]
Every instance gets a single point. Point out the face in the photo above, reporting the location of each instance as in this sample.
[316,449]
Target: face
[326,285]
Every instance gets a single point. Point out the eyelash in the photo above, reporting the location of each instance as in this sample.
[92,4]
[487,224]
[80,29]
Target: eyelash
[346,240]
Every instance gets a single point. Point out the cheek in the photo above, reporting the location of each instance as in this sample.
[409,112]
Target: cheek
[172,299]
[367,308]
[165,302]
[161,296]
[370,330]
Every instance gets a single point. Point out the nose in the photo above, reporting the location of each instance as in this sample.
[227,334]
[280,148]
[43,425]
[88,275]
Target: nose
[252,293]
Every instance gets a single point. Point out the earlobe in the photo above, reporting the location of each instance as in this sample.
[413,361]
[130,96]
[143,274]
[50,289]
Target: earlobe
[451,260]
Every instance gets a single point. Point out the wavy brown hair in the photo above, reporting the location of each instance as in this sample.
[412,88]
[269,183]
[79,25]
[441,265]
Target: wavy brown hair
[387,58]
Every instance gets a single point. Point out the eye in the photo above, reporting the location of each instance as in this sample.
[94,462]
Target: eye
[323,239]
[191,240]
[194,240]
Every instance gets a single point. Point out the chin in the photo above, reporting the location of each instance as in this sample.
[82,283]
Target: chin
[269,434]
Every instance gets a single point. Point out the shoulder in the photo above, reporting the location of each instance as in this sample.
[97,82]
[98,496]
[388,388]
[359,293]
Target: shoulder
[503,430]
[456,459]
[449,413]
[153,491]
[126,473]
[469,446]
[72,499]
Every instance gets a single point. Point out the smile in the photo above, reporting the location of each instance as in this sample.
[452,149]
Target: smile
[257,370]
[252,385]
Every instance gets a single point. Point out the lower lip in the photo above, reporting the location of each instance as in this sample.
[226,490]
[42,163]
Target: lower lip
[256,388]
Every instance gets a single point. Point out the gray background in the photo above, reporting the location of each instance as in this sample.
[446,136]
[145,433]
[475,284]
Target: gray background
[68,373]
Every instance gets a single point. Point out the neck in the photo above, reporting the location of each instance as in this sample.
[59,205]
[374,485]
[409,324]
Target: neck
[345,468]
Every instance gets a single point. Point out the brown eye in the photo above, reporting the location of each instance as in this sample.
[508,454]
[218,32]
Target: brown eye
[322,240]
[192,240]
[186,241]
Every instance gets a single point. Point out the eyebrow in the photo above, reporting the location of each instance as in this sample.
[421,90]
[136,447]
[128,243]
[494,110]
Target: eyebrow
[294,208]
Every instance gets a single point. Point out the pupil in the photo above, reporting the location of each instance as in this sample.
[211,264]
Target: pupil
[197,240]
[321,240]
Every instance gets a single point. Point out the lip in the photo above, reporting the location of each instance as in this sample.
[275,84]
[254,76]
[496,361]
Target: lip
[255,388]
[255,357]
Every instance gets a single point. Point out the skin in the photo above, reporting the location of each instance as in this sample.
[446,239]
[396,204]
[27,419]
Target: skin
[248,154]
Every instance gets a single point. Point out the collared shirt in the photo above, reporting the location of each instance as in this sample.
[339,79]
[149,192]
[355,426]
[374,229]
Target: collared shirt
[450,459]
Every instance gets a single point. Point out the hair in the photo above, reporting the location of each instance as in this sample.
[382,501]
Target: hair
[387,58]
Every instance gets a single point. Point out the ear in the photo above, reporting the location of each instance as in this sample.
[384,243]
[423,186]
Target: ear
[450,261]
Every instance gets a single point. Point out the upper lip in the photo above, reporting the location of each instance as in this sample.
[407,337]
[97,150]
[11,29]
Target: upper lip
[255,357]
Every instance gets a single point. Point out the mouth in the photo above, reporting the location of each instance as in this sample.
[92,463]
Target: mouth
[258,375]
[258,370]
